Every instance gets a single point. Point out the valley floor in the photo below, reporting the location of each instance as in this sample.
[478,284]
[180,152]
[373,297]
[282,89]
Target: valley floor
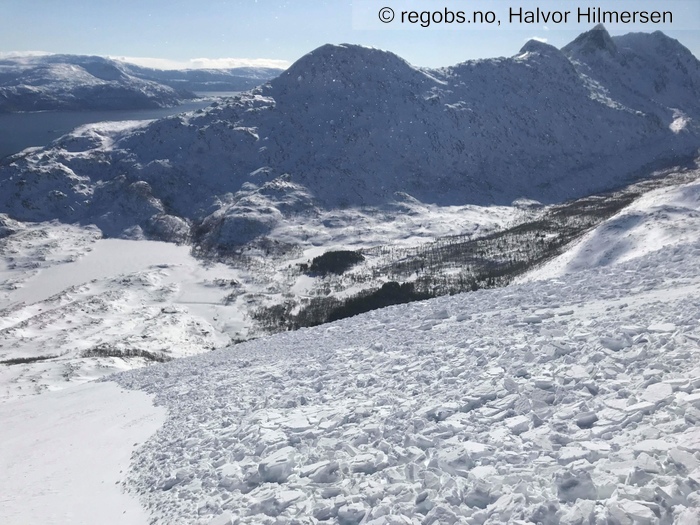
[75,306]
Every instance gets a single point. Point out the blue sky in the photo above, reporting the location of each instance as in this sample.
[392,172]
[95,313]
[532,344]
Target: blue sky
[281,31]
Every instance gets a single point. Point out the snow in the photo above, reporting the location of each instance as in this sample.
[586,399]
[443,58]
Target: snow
[660,218]
[59,82]
[107,258]
[474,420]
[64,456]
[81,305]
[65,82]
[76,306]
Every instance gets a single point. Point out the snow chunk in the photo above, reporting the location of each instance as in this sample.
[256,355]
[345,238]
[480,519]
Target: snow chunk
[690,440]
[652,446]
[223,519]
[572,486]
[628,512]
[458,460]
[519,424]
[657,393]
[277,467]
[662,327]
[351,514]
[642,406]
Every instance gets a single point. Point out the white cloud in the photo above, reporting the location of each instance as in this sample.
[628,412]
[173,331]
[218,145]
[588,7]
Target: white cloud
[203,63]
[538,39]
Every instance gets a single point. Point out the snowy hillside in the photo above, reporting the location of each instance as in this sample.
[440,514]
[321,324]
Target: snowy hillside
[566,401]
[60,82]
[348,126]
[569,401]
[660,219]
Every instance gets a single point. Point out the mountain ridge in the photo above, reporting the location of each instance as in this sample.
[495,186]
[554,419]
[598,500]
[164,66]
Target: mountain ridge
[352,126]
[82,82]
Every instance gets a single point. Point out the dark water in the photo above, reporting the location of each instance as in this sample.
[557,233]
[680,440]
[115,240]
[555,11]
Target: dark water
[23,130]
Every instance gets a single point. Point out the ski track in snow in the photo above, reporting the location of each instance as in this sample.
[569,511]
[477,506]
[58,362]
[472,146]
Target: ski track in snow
[567,401]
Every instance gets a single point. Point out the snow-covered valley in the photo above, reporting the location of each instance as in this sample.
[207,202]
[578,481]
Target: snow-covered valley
[76,306]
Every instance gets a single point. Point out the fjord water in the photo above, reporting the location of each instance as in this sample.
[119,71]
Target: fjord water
[23,130]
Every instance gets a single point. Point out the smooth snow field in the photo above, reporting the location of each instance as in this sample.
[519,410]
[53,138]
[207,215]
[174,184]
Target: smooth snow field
[107,258]
[63,455]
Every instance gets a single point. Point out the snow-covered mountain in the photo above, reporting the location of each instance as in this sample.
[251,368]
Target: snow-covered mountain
[77,82]
[60,82]
[230,79]
[650,70]
[350,149]
[349,126]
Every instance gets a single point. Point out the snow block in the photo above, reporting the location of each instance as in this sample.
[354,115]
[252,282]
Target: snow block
[627,512]
[222,519]
[572,486]
[277,467]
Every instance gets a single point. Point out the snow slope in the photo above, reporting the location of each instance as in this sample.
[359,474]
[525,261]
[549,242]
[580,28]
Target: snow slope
[348,126]
[63,456]
[572,400]
[659,219]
